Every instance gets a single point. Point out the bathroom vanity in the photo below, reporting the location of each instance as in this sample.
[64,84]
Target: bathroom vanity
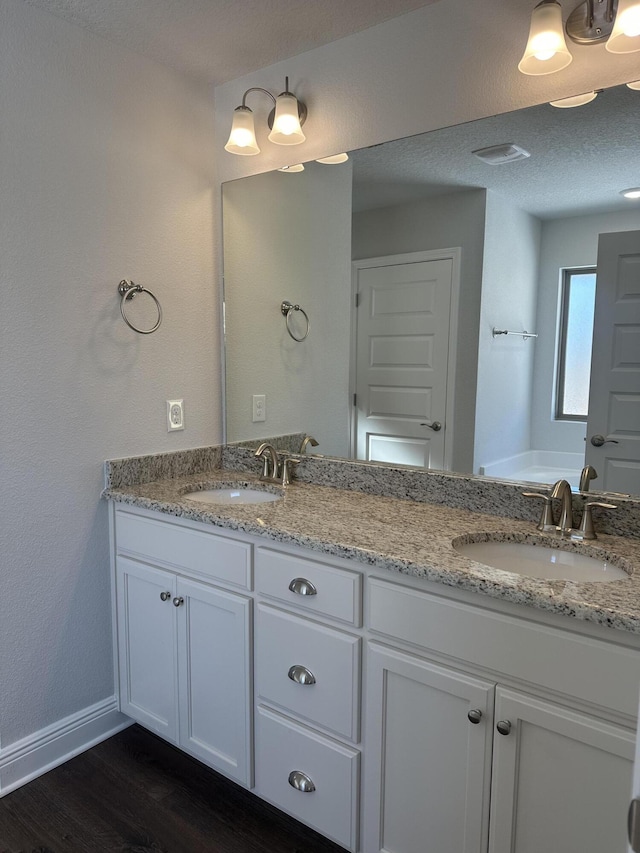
[333,653]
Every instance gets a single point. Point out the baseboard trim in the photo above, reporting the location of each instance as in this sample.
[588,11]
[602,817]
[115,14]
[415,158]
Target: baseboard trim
[34,755]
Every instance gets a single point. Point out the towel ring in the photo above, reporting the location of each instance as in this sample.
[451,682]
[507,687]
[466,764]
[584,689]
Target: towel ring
[127,290]
[287,308]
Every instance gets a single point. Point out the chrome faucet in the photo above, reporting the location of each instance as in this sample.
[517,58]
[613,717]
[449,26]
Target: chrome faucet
[308,439]
[562,491]
[271,463]
[275,470]
[588,473]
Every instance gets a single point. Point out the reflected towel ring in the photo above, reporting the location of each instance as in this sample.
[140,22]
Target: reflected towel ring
[287,308]
[127,290]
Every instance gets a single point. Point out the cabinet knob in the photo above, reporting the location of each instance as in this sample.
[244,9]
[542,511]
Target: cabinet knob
[301,782]
[503,727]
[474,716]
[301,675]
[178,600]
[165,596]
[301,586]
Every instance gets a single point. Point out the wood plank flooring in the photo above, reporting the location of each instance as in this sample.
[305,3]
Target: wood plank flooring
[136,793]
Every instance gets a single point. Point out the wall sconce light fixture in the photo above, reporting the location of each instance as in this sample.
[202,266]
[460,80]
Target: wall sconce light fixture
[285,121]
[616,22]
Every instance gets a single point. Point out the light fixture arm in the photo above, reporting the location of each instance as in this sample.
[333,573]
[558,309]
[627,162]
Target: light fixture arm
[591,22]
[257,89]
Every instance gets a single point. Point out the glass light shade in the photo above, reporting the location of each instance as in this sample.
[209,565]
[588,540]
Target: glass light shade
[286,123]
[575,101]
[546,49]
[632,192]
[624,37]
[297,168]
[635,85]
[335,158]
[242,139]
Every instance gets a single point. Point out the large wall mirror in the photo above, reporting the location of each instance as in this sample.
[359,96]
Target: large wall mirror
[408,259]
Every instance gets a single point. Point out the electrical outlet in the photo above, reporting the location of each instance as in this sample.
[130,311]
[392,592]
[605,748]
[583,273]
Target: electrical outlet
[259,408]
[175,415]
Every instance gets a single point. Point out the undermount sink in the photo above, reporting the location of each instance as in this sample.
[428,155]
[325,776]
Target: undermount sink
[232,496]
[541,560]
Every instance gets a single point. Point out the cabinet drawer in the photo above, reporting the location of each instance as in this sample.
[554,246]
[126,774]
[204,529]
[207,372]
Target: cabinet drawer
[282,748]
[338,592]
[332,659]
[585,668]
[172,544]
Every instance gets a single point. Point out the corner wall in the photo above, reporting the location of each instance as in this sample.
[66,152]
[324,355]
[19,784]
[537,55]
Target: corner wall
[106,170]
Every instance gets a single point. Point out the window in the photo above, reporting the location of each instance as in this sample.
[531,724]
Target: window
[577,304]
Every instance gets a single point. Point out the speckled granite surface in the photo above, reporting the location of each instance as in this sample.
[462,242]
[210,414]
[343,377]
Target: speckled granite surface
[405,536]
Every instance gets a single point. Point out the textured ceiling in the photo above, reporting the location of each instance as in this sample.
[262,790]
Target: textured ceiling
[219,40]
[580,159]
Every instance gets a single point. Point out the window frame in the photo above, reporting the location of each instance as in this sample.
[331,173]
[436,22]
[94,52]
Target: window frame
[561,342]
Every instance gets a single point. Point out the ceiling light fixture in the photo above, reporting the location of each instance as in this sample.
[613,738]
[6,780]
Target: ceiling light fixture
[632,192]
[575,101]
[616,22]
[285,121]
[299,167]
[334,159]
[635,85]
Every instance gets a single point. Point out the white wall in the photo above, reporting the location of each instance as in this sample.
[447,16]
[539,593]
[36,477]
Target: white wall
[566,243]
[105,172]
[505,364]
[288,236]
[442,222]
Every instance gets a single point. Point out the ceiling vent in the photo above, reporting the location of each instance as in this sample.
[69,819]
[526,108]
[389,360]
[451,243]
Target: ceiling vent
[495,155]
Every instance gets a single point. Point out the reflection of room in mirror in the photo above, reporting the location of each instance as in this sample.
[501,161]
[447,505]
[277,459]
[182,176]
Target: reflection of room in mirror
[517,227]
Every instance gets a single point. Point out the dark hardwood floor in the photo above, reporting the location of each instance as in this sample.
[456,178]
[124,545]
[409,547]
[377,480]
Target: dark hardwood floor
[135,793]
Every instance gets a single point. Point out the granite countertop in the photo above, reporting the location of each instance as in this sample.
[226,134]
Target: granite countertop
[406,537]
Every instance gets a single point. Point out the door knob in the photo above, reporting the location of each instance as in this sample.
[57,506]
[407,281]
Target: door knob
[598,440]
[436,426]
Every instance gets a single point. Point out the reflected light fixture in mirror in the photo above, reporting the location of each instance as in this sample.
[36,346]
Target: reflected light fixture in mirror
[334,159]
[298,167]
[575,101]
[285,120]
[632,193]
[635,85]
[616,22]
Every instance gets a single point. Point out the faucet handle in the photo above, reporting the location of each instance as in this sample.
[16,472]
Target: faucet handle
[586,529]
[546,523]
[287,465]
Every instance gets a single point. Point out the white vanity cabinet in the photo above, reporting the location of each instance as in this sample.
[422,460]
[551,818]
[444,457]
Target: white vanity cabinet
[183,645]
[458,763]
[307,686]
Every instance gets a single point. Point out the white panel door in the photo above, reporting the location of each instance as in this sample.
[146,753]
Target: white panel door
[147,646]
[214,677]
[428,766]
[560,782]
[402,356]
[614,396]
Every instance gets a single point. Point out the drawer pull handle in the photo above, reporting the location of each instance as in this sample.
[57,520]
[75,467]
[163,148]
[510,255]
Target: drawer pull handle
[503,726]
[301,675]
[475,716]
[301,782]
[302,586]
[165,596]
[177,601]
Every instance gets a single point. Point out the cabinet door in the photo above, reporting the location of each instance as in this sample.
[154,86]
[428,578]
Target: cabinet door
[428,767]
[147,646]
[214,678]
[561,780]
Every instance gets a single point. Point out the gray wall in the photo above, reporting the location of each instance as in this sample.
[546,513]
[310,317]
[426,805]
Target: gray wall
[443,222]
[106,173]
[288,236]
[505,364]
[567,243]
